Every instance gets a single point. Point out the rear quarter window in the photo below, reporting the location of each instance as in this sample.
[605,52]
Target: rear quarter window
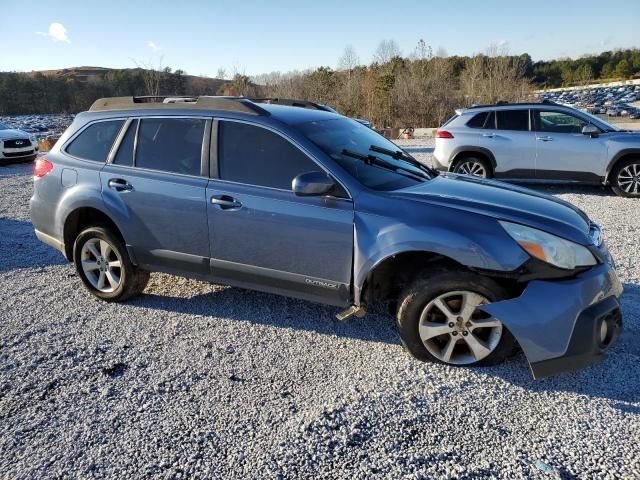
[95,141]
[478,120]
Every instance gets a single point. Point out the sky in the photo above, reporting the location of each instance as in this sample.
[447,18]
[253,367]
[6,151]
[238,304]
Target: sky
[253,37]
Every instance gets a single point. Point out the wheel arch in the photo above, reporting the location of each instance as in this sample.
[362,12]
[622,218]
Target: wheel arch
[466,151]
[79,219]
[388,275]
[621,156]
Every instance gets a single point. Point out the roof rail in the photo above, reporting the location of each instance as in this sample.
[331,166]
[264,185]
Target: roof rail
[288,101]
[229,104]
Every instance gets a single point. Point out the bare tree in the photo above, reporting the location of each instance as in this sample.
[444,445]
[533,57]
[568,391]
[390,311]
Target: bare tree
[423,51]
[387,49]
[349,59]
[494,76]
[221,74]
[151,75]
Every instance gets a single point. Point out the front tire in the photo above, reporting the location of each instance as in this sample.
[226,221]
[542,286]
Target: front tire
[625,178]
[438,320]
[103,265]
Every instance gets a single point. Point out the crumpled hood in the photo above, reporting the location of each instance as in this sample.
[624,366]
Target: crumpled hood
[10,134]
[503,201]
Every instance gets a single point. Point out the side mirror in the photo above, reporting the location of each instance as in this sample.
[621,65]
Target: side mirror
[590,130]
[312,184]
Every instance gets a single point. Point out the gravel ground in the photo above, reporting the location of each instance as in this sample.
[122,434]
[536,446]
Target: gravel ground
[198,380]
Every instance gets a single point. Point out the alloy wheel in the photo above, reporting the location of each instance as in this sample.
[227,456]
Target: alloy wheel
[454,331]
[629,179]
[471,167]
[101,265]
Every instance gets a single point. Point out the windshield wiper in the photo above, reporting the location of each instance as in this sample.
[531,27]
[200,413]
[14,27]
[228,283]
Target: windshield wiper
[373,160]
[400,155]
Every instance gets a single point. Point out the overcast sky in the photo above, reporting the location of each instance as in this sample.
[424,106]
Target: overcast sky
[262,36]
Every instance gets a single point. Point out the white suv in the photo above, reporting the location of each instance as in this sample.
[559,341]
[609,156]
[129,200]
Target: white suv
[539,142]
[16,145]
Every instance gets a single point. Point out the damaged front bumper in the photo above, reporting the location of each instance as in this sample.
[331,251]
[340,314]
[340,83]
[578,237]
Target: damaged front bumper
[564,325]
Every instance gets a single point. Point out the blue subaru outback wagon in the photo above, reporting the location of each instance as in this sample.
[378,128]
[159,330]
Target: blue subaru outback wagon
[310,204]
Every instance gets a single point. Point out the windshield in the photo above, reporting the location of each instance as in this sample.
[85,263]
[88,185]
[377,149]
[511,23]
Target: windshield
[3,127]
[370,158]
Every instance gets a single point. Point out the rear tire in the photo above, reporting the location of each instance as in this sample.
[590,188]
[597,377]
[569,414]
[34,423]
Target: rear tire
[103,265]
[473,166]
[438,321]
[625,178]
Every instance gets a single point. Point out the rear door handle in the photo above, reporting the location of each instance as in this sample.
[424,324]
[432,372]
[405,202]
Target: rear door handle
[120,185]
[545,139]
[489,135]
[225,202]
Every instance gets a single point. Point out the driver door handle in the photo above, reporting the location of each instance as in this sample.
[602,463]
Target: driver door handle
[225,202]
[489,135]
[545,139]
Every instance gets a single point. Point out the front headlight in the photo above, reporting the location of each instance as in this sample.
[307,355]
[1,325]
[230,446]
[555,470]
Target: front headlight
[549,248]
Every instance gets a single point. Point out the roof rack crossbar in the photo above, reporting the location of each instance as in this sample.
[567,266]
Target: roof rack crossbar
[229,104]
[287,101]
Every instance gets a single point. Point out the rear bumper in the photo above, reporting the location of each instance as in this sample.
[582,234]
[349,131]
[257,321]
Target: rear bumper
[559,323]
[49,240]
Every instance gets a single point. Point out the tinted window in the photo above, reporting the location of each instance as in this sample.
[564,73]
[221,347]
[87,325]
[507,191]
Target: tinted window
[125,150]
[513,119]
[170,144]
[256,156]
[557,122]
[95,141]
[478,120]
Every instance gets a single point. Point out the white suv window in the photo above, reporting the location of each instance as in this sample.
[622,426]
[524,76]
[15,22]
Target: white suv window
[512,120]
[557,122]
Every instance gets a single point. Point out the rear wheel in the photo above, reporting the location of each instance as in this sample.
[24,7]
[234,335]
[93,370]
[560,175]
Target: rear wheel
[625,178]
[474,166]
[438,320]
[104,266]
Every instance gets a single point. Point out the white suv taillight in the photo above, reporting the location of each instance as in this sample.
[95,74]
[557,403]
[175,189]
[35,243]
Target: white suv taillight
[443,134]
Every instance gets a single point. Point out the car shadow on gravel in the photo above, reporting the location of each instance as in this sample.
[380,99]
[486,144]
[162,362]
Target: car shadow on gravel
[13,169]
[259,308]
[18,238]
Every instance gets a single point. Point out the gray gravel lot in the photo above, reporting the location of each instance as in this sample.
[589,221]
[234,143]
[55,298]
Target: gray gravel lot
[198,380]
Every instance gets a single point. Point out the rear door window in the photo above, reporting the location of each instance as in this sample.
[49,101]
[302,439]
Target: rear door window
[170,144]
[513,120]
[95,142]
[125,150]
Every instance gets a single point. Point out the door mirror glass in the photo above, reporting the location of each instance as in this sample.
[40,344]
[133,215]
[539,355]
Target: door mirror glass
[590,130]
[312,184]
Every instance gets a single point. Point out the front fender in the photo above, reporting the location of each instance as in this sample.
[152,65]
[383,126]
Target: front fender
[471,240]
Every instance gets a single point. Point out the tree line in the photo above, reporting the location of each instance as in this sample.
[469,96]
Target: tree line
[419,89]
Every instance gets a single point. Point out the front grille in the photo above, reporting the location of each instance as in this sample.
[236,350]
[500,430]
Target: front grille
[17,143]
[19,154]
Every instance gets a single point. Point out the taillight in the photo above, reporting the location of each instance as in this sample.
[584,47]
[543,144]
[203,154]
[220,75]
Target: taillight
[443,134]
[42,167]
